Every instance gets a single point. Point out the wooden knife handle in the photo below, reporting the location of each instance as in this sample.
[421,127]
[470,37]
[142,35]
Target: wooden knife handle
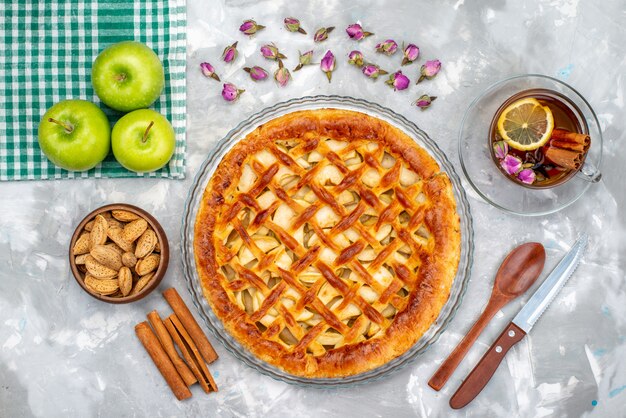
[486,367]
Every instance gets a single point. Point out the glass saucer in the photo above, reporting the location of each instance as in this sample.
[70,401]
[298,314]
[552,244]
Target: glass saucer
[208,168]
[488,180]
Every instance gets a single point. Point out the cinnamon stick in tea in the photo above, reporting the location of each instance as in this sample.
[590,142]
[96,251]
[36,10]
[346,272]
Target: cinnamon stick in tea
[202,380]
[564,158]
[168,345]
[182,312]
[573,146]
[162,361]
[562,134]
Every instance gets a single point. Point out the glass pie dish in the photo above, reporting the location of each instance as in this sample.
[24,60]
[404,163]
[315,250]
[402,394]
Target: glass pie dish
[208,168]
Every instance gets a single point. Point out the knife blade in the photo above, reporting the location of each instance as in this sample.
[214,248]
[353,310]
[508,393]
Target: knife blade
[519,326]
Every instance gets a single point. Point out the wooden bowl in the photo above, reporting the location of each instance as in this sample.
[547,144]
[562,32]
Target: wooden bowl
[159,273]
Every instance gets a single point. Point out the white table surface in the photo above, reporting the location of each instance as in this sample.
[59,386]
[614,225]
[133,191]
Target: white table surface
[65,354]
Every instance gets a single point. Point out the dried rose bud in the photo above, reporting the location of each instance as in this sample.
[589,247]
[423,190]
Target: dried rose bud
[304,59]
[356,32]
[411,52]
[328,64]
[372,71]
[398,81]
[389,47]
[208,71]
[230,92]
[429,70]
[250,27]
[527,176]
[271,52]
[424,101]
[500,149]
[256,73]
[282,75]
[511,164]
[322,34]
[355,58]
[230,53]
[293,25]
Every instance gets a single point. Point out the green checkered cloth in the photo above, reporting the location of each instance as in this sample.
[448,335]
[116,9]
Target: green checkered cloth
[47,50]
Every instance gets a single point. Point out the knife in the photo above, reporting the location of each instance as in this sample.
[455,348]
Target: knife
[519,326]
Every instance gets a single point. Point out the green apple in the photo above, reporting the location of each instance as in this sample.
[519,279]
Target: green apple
[75,135]
[143,140]
[127,76]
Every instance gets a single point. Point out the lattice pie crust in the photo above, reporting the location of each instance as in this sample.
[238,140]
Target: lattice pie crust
[327,242]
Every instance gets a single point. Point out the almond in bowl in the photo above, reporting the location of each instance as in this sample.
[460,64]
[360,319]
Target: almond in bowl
[119,253]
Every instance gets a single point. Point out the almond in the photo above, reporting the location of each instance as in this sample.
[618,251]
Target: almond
[98,270]
[89,226]
[107,256]
[124,215]
[129,259]
[148,264]
[98,233]
[114,223]
[146,243]
[102,287]
[125,280]
[134,229]
[143,281]
[80,259]
[116,236]
[81,246]
[115,248]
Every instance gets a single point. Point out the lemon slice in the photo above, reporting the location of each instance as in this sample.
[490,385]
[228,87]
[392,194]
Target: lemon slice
[525,124]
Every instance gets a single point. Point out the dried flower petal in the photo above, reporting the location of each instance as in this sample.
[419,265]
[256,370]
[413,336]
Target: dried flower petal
[270,52]
[256,73]
[424,101]
[411,52]
[372,71]
[230,92]
[500,149]
[208,71]
[293,25]
[398,81]
[328,64]
[322,34]
[429,70]
[388,47]
[304,59]
[527,176]
[355,31]
[282,75]
[355,58]
[250,27]
[230,53]
[511,164]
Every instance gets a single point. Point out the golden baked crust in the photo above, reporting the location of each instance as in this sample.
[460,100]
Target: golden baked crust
[327,242]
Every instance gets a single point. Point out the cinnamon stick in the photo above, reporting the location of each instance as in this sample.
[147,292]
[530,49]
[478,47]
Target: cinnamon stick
[202,380]
[564,158]
[573,146]
[193,355]
[194,350]
[162,361]
[568,136]
[182,312]
[168,345]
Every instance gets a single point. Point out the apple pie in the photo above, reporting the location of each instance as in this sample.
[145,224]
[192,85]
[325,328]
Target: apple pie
[327,242]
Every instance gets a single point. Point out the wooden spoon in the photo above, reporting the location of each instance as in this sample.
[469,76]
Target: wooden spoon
[519,270]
